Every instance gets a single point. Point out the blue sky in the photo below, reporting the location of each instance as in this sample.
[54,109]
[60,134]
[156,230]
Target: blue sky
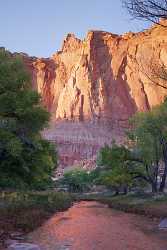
[38,27]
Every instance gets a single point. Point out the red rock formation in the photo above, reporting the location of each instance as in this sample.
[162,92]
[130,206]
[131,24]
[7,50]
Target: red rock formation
[92,87]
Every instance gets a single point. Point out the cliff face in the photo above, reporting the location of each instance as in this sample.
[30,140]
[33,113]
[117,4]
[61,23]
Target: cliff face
[92,87]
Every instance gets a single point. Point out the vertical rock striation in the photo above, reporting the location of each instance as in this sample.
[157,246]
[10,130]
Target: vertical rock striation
[92,87]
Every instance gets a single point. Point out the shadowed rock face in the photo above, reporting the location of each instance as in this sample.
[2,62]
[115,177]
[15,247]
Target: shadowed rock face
[92,87]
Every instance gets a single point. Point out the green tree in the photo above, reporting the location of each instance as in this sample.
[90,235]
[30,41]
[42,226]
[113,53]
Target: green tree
[24,155]
[149,137]
[77,180]
[124,168]
[145,156]
[116,173]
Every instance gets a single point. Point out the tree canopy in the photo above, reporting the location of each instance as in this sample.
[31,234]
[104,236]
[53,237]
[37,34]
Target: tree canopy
[77,180]
[24,155]
[143,158]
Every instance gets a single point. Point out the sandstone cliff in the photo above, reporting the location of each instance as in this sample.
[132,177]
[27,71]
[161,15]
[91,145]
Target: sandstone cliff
[92,87]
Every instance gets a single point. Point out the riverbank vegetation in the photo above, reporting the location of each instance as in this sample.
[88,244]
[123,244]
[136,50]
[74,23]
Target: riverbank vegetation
[142,161]
[27,160]
[76,180]
[138,203]
[25,211]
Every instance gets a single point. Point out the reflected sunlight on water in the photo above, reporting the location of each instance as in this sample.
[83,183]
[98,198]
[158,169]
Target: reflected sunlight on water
[93,226]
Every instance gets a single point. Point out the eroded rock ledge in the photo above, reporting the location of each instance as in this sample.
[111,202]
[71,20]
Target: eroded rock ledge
[92,87]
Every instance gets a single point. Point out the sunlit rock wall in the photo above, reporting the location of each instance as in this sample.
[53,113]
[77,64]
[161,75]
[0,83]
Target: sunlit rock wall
[92,87]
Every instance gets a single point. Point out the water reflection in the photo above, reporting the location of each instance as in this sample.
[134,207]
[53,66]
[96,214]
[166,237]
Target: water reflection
[93,226]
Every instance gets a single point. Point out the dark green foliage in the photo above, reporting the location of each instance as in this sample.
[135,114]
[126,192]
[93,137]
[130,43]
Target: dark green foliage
[26,160]
[147,153]
[149,137]
[112,156]
[26,211]
[116,173]
[146,204]
[77,180]
[94,175]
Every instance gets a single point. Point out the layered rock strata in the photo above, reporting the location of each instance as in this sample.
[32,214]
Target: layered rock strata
[92,87]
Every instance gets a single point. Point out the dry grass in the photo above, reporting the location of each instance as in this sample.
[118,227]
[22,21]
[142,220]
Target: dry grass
[23,212]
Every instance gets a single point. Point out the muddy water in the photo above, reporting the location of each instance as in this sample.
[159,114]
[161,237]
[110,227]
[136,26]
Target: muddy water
[93,226]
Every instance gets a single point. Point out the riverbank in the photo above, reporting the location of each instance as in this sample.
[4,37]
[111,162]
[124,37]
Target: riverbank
[92,225]
[22,212]
[143,204]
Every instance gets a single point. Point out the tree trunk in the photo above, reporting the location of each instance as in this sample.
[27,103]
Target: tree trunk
[125,190]
[163,180]
[154,187]
[116,192]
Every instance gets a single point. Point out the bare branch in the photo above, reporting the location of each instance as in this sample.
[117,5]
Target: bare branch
[153,70]
[150,10]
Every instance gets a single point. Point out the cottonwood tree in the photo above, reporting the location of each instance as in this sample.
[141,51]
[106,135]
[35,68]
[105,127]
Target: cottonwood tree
[150,139]
[124,168]
[77,180]
[25,157]
[115,173]
[144,158]
[146,149]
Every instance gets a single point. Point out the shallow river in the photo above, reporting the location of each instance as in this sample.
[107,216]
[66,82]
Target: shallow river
[94,226]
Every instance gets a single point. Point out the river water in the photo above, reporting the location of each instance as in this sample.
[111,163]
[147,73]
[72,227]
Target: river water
[94,226]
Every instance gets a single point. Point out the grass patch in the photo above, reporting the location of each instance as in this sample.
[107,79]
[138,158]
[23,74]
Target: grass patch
[144,204]
[23,212]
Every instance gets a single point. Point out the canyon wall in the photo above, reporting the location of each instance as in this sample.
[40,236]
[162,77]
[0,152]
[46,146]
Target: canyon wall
[92,87]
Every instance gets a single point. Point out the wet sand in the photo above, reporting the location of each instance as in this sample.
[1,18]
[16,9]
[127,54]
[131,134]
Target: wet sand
[94,226]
